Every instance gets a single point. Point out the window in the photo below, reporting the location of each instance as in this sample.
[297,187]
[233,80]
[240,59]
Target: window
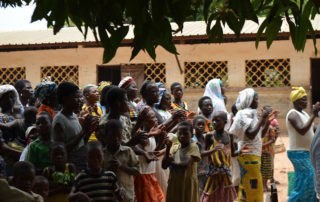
[11,75]
[59,74]
[268,73]
[155,72]
[197,74]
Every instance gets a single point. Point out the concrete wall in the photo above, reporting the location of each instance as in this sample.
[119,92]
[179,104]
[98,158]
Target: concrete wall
[235,53]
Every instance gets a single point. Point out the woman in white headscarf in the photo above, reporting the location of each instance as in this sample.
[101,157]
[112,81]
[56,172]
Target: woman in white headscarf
[247,129]
[215,90]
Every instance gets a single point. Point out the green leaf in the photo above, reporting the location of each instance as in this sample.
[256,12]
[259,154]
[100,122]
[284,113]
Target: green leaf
[272,30]
[216,33]
[260,31]
[234,23]
[206,9]
[313,36]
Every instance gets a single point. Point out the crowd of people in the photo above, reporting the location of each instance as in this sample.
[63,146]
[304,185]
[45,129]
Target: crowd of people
[111,143]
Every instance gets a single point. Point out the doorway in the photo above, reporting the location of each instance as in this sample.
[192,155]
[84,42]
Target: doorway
[109,73]
[114,73]
[315,80]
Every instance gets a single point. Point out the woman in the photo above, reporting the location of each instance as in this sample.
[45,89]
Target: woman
[25,93]
[215,90]
[46,92]
[8,99]
[248,129]
[300,130]
[66,126]
[130,86]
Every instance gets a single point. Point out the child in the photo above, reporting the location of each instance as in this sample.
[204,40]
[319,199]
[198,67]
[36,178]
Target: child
[183,181]
[38,152]
[120,159]
[146,184]
[61,175]
[91,96]
[97,184]
[266,156]
[206,108]
[177,92]
[23,177]
[199,139]
[219,187]
[41,187]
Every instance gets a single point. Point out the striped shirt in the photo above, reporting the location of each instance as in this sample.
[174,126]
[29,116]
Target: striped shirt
[97,187]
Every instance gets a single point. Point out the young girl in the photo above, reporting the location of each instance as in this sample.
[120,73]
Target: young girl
[120,159]
[177,92]
[91,96]
[206,108]
[146,184]
[61,175]
[183,159]
[219,186]
[38,152]
[199,139]
[266,155]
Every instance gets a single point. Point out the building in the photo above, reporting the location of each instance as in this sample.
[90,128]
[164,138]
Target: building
[34,55]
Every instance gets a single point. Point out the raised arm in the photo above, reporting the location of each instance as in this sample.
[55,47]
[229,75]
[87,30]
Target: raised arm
[297,124]
[252,132]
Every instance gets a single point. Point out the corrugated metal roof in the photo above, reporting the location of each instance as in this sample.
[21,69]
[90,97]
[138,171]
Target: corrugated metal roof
[73,35]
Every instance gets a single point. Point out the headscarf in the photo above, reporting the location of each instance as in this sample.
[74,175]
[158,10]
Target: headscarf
[161,93]
[213,90]
[125,82]
[44,90]
[103,84]
[297,93]
[159,84]
[245,98]
[7,88]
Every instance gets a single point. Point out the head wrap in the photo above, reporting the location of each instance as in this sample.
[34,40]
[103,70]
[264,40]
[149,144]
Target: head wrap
[7,88]
[297,93]
[90,85]
[103,84]
[245,98]
[125,82]
[161,92]
[44,90]
[213,90]
[159,84]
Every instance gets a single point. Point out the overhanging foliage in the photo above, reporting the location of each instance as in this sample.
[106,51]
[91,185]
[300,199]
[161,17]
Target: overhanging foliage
[109,19]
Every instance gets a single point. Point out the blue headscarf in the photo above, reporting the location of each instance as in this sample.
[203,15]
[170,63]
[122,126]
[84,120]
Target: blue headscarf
[161,92]
[44,90]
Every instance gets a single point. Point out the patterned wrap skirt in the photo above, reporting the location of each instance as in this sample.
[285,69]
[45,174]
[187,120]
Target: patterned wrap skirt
[303,177]
[250,188]
[266,166]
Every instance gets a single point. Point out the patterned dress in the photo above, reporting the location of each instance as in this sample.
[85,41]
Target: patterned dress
[219,186]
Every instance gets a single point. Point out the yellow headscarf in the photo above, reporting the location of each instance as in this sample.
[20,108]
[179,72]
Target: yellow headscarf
[297,93]
[103,84]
